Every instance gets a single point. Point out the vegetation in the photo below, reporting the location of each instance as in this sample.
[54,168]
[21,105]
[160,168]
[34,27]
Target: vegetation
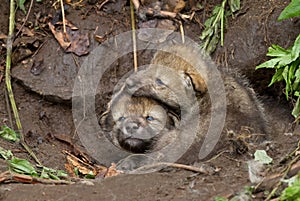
[292,192]
[286,61]
[22,166]
[214,25]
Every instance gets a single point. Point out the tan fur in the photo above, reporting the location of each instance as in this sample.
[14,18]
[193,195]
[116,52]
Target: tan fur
[174,91]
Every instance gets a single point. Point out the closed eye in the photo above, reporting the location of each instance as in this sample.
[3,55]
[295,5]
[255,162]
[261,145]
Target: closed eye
[149,118]
[159,82]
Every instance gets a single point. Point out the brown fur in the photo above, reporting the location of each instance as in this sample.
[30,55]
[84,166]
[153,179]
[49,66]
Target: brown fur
[178,93]
[138,124]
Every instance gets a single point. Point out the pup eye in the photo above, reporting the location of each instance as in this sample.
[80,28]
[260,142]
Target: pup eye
[159,82]
[149,118]
[121,119]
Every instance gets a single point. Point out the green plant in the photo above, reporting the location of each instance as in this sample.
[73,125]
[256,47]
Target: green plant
[220,199]
[8,134]
[286,61]
[214,25]
[292,192]
[22,166]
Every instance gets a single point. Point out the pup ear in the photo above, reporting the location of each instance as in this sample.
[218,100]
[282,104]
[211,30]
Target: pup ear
[106,121]
[197,80]
[173,119]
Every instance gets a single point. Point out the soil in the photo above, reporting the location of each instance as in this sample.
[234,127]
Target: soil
[44,101]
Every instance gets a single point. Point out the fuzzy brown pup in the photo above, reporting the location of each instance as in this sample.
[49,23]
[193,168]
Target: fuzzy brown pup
[139,124]
[173,83]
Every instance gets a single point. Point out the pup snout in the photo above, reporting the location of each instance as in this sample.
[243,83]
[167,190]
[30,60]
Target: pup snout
[132,127]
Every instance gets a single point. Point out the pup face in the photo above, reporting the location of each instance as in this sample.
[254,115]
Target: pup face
[172,88]
[138,124]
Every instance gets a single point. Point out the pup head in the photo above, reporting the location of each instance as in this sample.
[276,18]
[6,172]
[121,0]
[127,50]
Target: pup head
[138,124]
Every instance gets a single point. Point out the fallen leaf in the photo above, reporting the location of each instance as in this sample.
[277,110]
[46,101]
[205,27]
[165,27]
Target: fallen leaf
[262,156]
[68,24]
[112,171]
[84,166]
[2,36]
[59,36]
[72,40]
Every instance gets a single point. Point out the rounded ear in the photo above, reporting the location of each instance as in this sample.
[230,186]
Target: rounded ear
[198,82]
[106,121]
[173,120]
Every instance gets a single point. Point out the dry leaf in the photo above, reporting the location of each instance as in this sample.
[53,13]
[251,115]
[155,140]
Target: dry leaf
[72,40]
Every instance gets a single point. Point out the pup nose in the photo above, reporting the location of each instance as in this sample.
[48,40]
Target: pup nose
[132,127]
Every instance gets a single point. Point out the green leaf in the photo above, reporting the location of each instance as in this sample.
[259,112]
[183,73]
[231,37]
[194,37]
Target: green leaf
[277,76]
[297,79]
[8,134]
[213,44]
[285,60]
[61,173]
[22,166]
[287,82]
[269,64]
[296,49]
[262,156]
[277,51]
[53,176]
[292,10]
[235,5]
[50,173]
[6,154]
[291,75]
[206,32]
[220,199]
[292,192]
[296,109]
[216,10]
[21,5]
[90,175]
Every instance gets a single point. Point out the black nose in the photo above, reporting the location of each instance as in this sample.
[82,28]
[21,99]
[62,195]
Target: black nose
[132,127]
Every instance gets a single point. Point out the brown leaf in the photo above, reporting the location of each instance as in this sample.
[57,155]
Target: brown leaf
[83,167]
[68,24]
[2,36]
[59,36]
[112,171]
[79,43]
[72,40]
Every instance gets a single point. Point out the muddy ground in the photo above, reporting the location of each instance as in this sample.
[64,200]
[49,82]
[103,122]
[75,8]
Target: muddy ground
[44,101]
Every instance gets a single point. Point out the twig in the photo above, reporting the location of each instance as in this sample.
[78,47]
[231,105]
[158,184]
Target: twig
[8,109]
[8,79]
[26,18]
[14,177]
[136,4]
[284,174]
[133,36]
[64,19]
[39,48]
[181,32]
[175,165]
[102,4]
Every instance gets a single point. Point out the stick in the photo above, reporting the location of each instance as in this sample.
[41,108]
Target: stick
[26,18]
[64,19]
[14,177]
[133,36]
[175,165]
[284,174]
[8,79]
